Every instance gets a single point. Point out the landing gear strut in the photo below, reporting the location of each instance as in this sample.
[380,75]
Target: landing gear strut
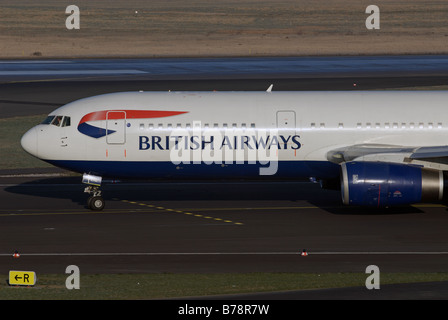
[95,201]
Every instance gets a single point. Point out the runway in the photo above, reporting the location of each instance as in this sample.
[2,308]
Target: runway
[32,87]
[212,227]
[232,68]
[205,226]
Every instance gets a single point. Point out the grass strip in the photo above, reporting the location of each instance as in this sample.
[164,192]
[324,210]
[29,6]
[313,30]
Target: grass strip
[11,131]
[166,285]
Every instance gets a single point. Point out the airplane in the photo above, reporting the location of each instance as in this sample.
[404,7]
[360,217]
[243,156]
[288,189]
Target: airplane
[379,148]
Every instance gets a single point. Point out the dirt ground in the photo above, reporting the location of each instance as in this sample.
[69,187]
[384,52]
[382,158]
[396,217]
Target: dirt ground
[200,28]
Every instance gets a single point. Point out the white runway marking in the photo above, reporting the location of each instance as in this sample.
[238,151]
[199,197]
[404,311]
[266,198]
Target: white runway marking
[34,61]
[35,175]
[67,72]
[225,253]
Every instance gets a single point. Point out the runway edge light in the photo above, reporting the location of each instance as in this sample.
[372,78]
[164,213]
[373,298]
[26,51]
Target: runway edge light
[22,278]
[304,253]
[16,254]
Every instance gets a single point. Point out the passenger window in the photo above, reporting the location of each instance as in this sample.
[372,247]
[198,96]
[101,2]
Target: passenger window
[66,122]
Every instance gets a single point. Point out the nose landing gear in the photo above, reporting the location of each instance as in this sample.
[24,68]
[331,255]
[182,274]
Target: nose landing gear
[95,201]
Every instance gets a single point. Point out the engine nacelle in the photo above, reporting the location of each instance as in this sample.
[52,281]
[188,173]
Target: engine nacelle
[379,184]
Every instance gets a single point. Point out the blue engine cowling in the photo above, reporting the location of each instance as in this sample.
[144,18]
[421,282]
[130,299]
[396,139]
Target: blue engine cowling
[379,184]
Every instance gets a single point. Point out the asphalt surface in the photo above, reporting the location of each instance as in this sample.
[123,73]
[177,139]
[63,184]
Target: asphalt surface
[223,67]
[211,226]
[218,227]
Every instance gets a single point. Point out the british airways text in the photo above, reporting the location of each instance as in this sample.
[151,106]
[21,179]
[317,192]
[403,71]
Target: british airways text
[222,147]
[194,142]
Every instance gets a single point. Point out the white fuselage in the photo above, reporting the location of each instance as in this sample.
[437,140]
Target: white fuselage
[234,134]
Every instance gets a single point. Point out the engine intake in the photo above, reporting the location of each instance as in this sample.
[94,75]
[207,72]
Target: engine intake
[379,184]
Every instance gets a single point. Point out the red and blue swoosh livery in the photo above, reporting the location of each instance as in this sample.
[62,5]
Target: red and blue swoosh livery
[97,132]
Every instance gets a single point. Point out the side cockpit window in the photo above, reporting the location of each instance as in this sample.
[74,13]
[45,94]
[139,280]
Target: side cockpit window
[57,121]
[66,122]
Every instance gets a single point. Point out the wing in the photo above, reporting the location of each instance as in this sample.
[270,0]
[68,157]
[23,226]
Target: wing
[432,156]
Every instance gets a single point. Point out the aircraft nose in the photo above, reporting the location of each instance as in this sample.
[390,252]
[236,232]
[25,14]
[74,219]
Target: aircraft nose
[29,141]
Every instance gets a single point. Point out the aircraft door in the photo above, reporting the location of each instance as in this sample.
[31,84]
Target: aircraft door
[116,127]
[286,122]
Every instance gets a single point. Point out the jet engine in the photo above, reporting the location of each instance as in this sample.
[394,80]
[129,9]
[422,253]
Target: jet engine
[379,184]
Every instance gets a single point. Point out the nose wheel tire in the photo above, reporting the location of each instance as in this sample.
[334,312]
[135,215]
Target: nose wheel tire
[96,203]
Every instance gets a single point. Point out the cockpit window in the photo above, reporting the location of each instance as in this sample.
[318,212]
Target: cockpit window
[48,120]
[57,121]
[66,122]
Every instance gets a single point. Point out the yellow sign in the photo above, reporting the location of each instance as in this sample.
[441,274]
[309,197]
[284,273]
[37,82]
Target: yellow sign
[22,278]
